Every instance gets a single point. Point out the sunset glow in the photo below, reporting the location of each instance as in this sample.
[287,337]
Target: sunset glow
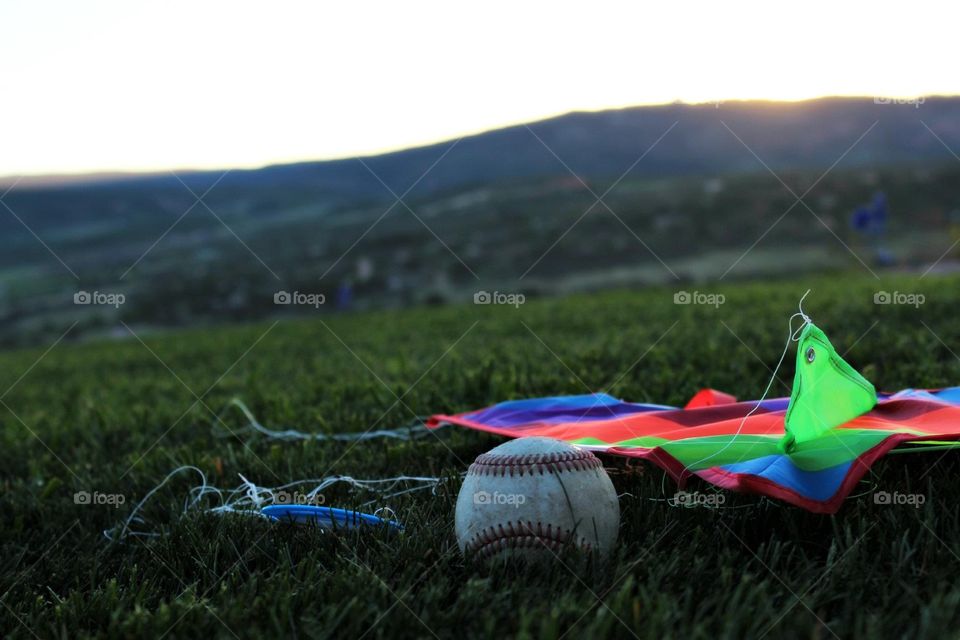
[125,86]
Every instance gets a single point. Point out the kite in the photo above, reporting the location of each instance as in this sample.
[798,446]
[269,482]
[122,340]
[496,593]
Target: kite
[808,450]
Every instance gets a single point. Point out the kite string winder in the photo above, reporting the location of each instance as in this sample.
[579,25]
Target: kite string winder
[248,498]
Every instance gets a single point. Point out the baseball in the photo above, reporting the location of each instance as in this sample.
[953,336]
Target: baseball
[531,497]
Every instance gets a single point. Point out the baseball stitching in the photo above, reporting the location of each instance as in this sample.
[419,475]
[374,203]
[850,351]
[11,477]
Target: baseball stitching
[491,464]
[492,540]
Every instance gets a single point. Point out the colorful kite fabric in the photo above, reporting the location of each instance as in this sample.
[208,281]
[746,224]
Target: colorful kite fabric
[737,445]
[827,392]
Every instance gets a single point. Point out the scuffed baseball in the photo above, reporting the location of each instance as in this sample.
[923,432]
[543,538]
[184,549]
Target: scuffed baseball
[532,497]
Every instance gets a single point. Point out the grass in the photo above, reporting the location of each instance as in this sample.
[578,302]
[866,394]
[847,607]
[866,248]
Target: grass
[116,417]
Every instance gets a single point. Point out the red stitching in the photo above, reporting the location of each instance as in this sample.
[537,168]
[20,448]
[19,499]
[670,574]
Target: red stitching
[493,464]
[500,537]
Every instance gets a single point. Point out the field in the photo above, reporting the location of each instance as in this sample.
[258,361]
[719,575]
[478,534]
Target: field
[115,417]
[179,263]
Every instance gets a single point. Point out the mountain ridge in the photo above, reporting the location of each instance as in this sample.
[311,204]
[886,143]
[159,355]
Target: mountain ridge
[615,137]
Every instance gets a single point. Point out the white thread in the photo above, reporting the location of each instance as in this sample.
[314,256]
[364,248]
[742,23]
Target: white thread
[133,514]
[248,498]
[387,513]
[792,336]
[417,430]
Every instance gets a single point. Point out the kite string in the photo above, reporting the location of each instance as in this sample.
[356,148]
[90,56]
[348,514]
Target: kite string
[792,336]
[199,491]
[248,498]
[417,429]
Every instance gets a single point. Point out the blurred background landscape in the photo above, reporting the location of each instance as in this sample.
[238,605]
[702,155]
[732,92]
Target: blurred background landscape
[672,195]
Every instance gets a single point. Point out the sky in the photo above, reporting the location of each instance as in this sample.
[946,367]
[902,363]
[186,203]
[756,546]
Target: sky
[131,86]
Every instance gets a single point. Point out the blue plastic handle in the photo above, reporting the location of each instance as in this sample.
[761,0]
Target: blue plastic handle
[326,517]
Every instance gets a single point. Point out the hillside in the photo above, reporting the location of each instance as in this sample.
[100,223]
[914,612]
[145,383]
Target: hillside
[600,144]
[503,210]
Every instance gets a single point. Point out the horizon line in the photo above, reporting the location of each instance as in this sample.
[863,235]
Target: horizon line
[67,177]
